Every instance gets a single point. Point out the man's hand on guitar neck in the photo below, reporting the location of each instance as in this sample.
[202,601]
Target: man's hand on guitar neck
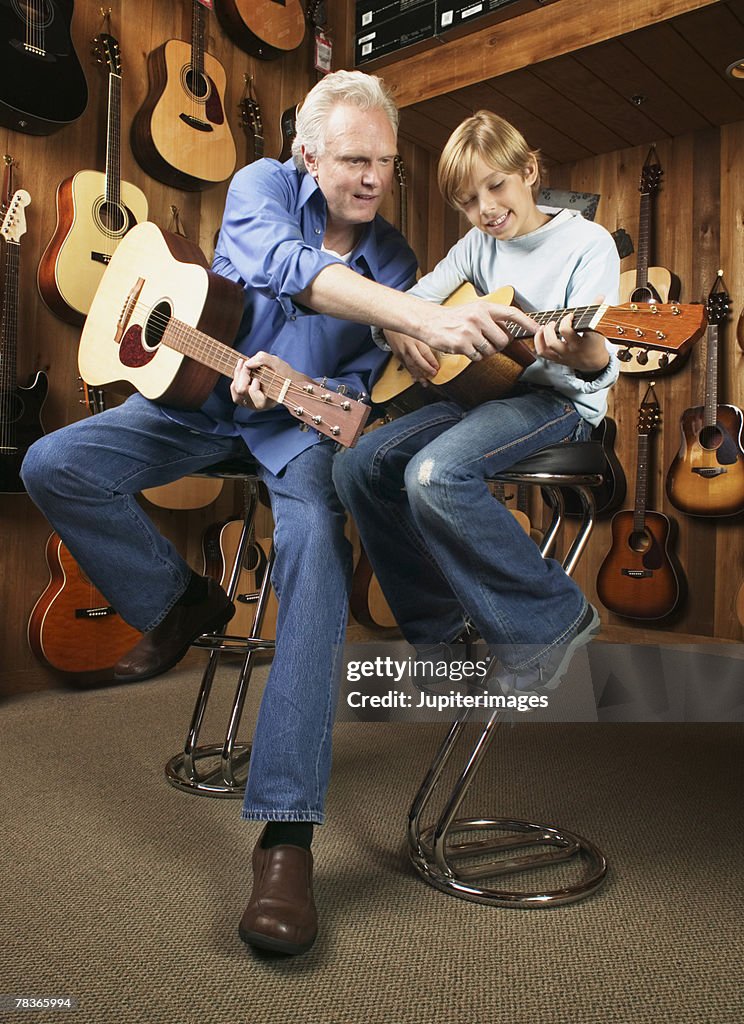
[245,388]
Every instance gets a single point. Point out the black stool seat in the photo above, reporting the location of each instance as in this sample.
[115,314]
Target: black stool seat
[236,468]
[580,458]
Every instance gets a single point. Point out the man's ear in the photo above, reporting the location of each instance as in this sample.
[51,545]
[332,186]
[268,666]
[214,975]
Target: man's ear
[311,163]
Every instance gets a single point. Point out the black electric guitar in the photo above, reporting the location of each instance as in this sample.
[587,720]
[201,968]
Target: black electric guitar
[638,577]
[250,118]
[706,477]
[20,408]
[42,86]
[645,283]
[288,129]
[610,495]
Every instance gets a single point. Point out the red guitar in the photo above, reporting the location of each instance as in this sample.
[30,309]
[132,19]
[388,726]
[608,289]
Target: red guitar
[638,579]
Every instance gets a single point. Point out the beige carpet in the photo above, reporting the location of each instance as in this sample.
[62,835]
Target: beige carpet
[124,893]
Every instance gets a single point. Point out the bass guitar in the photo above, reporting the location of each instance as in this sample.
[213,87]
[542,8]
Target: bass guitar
[658,327]
[152,323]
[645,283]
[20,408]
[706,477]
[638,578]
[42,86]
[266,29]
[180,134]
[72,627]
[95,210]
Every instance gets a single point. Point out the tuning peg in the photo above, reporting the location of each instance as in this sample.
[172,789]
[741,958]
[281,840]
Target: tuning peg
[642,357]
[624,355]
[304,427]
[342,389]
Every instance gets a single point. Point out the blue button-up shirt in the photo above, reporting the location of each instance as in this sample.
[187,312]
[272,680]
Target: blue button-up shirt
[270,243]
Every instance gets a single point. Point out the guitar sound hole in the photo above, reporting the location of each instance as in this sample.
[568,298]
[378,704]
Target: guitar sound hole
[197,84]
[156,324]
[12,407]
[710,438]
[645,294]
[37,14]
[639,541]
[113,218]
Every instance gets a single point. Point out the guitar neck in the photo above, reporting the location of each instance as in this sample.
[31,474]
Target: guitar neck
[644,241]
[9,320]
[584,318]
[711,376]
[641,493]
[113,141]
[198,30]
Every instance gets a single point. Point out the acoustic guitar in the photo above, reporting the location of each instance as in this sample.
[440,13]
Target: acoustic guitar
[646,283]
[288,130]
[72,627]
[42,86]
[706,477]
[153,323]
[180,134]
[219,548]
[266,29]
[638,578]
[95,210]
[20,407]
[658,327]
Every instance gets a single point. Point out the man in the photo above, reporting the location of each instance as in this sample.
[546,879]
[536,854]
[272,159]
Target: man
[302,237]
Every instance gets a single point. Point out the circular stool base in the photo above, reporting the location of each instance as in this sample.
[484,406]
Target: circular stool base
[209,780]
[566,846]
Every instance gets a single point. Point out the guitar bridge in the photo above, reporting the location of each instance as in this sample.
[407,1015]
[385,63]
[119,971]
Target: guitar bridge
[637,574]
[709,471]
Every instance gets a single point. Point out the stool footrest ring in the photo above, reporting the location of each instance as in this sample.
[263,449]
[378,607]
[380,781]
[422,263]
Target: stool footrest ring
[187,773]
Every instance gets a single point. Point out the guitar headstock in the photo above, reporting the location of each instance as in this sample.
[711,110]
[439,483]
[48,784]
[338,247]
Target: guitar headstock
[332,413]
[106,51]
[649,413]
[650,173]
[13,226]
[94,399]
[400,172]
[250,112]
[718,302]
[663,327]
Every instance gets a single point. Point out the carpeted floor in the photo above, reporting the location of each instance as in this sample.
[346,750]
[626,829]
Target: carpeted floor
[124,894]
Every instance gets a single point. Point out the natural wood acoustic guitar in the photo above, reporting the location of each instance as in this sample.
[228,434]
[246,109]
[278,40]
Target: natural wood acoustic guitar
[706,477]
[266,29]
[638,578]
[219,548]
[180,135]
[95,210]
[647,283]
[667,328]
[161,319]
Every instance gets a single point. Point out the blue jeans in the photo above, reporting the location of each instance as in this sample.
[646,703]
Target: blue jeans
[442,548]
[85,477]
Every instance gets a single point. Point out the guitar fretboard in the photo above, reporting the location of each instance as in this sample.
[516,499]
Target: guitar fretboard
[711,376]
[641,494]
[113,141]
[9,345]
[198,25]
[584,318]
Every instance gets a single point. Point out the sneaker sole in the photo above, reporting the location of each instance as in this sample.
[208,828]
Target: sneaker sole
[575,644]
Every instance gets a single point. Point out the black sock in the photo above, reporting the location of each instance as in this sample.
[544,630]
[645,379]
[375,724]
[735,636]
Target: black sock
[293,833]
[196,591]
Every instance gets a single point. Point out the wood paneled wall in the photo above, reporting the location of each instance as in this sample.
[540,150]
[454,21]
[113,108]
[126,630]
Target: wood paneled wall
[47,343]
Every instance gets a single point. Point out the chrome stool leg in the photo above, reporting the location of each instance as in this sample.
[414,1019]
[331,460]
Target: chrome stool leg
[462,867]
[220,769]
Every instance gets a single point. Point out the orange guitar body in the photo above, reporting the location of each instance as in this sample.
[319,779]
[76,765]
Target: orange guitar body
[637,578]
[220,546]
[707,475]
[72,627]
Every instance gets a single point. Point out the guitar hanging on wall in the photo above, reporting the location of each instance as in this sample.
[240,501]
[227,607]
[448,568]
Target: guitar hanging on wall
[180,134]
[42,86]
[645,283]
[20,408]
[219,548]
[266,29]
[72,627]
[95,210]
[638,578]
[706,477]
[250,118]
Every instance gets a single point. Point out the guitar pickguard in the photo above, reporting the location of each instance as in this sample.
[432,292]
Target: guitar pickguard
[131,351]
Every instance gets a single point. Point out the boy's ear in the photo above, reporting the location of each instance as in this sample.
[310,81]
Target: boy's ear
[530,172]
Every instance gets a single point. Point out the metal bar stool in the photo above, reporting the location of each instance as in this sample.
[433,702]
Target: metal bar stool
[221,769]
[433,850]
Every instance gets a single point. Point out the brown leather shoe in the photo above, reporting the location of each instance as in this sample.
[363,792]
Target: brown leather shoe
[281,914]
[164,646]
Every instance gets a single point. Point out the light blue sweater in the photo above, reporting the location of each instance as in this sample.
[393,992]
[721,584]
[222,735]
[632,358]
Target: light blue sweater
[567,262]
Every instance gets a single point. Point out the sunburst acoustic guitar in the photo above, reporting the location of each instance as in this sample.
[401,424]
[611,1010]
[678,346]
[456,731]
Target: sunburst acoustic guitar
[638,578]
[180,135]
[95,210]
[706,477]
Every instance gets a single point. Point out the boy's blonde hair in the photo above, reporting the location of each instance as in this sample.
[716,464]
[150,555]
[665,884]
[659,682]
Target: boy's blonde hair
[497,142]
